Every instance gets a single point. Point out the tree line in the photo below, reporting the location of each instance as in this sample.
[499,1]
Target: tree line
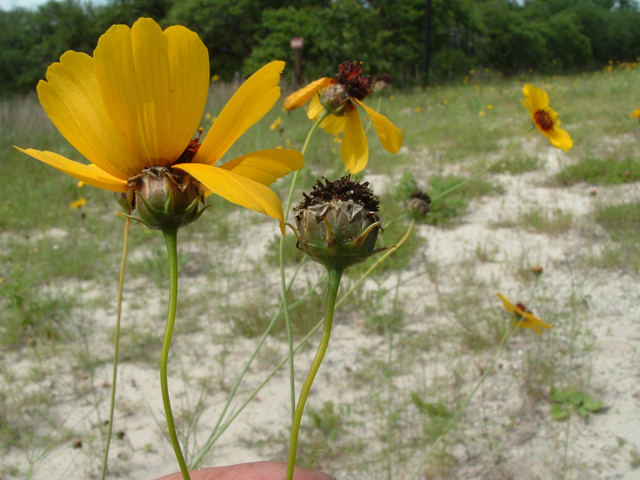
[507,36]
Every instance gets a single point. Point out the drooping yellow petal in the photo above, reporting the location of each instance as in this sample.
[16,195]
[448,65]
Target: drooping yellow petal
[508,306]
[355,150]
[237,189]
[89,174]
[248,105]
[302,96]
[560,138]
[534,323]
[315,108]
[266,166]
[390,136]
[534,98]
[71,98]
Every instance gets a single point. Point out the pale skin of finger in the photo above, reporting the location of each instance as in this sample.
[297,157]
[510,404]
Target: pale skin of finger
[251,471]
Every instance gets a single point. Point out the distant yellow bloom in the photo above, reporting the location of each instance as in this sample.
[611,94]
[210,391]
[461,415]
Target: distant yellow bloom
[78,203]
[417,109]
[340,97]
[137,103]
[489,107]
[636,113]
[445,101]
[215,78]
[207,116]
[523,317]
[481,114]
[276,124]
[545,118]
[287,142]
[80,184]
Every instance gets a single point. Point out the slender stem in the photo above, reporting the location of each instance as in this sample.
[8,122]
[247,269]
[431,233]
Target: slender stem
[501,348]
[214,438]
[283,280]
[484,170]
[125,249]
[171,240]
[332,292]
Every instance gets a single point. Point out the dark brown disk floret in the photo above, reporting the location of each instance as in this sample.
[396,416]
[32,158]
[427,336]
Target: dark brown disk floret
[350,77]
[191,150]
[544,121]
[343,189]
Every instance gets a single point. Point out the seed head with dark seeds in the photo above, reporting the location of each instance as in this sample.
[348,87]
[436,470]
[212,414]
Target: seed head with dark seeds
[350,77]
[419,203]
[343,189]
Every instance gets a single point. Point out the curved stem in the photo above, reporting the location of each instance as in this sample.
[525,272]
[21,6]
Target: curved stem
[332,292]
[283,279]
[125,249]
[171,240]
[484,170]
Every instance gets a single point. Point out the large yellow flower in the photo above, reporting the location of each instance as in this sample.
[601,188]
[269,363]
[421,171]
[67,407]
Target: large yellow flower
[138,103]
[544,117]
[340,96]
[524,318]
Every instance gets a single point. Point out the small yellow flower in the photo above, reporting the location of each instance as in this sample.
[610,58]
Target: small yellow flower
[136,105]
[340,97]
[545,118]
[276,124]
[80,184]
[489,107]
[208,116]
[636,113]
[417,109]
[287,142]
[78,203]
[523,317]
[215,78]
[481,114]
[445,101]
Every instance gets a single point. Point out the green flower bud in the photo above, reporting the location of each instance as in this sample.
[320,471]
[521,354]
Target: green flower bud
[164,199]
[338,224]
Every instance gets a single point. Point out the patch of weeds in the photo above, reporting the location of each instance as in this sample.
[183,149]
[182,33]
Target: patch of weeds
[436,416]
[379,319]
[517,165]
[569,400]
[542,221]
[635,459]
[603,172]
[622,222]
[454,204]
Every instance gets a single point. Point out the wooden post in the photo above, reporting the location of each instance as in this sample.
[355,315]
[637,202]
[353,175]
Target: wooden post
[296,44]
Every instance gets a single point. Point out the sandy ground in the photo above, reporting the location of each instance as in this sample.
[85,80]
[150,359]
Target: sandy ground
[504,434]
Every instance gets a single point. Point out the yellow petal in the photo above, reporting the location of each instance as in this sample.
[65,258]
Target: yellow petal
[636,113]
[333,124]
[560,138]
[266,166]
[315,108]
[89,174]
[536,98]
[390,136]
[248,105]
[71,98]
[529,317]
[155,105]
[508,306]
[355,150]
[237,189]
[302,96]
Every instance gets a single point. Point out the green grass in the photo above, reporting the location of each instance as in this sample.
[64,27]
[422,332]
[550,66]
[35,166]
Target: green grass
[622,222]
[601,172]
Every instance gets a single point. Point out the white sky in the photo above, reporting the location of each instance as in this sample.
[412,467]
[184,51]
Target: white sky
[32,4]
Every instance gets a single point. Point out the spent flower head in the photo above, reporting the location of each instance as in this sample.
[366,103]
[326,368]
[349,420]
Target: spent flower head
[134,107]
[339,97]
[337,224]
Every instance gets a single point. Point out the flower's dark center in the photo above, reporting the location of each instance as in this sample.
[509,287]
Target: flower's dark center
[543,120]
[343,189]
[521,310]
[191,149]
[350,77]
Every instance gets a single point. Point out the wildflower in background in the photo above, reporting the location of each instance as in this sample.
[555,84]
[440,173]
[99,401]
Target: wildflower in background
[80,184]
[489,107]
[545,118]
[276,124]
[339,98]
[215,78]
[636,113]
[419,204]
[523,317]
[133,108]
[78,203]
[382,83]
[481,114]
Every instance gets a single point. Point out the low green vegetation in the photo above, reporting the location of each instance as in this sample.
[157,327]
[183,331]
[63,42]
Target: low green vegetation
[601,172]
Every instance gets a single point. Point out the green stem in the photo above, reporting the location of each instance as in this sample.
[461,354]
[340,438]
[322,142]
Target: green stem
[116,349]
[171,240]
[332,292]
[283,280]
[484,170]
[501,348]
